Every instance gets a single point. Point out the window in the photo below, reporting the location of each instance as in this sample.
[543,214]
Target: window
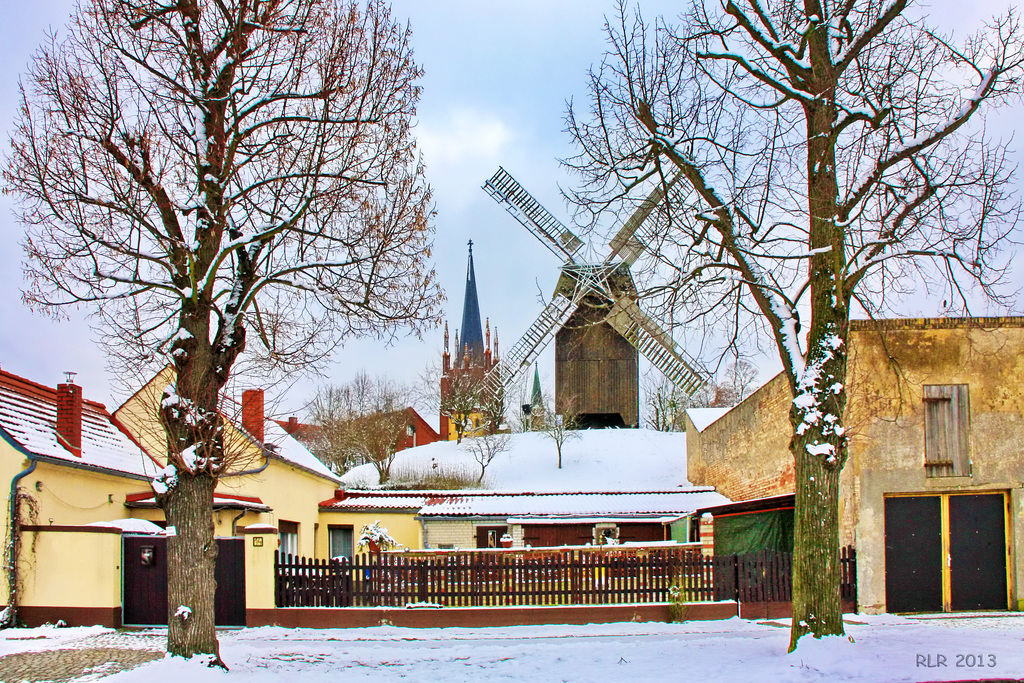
[947,423]
[340,541]
[490,536]
[288,537]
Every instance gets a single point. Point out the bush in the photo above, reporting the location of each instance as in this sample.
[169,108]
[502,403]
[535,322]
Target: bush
[442,477]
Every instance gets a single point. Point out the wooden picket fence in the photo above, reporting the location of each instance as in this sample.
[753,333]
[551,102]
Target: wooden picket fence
[551,576]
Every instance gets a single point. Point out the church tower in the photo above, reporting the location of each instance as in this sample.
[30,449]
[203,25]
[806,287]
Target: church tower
[474,357]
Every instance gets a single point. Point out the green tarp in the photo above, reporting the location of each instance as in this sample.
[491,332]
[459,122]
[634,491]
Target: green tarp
[752,531]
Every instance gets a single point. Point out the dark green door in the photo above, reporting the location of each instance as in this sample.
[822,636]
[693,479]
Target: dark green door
[977,552]
[913,554]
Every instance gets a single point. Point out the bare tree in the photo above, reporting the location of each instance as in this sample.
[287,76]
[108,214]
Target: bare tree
[741,376]
[561,428]
[461,402]
[665,404]
[214,174]
[361,422]
[485,448]
[813,156]
[493,406]
[376,438]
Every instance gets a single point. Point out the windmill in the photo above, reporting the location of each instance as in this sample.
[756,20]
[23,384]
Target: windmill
[593,315]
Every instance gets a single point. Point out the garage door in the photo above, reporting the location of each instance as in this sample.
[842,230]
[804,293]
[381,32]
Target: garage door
[913,554]
[977,552]
[945,552]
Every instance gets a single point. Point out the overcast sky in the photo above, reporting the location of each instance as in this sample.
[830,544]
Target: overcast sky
[498,75]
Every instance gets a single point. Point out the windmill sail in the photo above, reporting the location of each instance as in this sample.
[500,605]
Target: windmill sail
[635,235]
[524,208]
[655,344]
[531,344]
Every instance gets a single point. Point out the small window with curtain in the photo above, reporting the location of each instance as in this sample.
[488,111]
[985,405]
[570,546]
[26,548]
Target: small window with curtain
[947,426]
[340,541]
[288,537]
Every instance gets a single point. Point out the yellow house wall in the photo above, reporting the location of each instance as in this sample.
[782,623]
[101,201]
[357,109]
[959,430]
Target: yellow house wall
[476,427]
[292,493]
[63,496]
[71,569]
[259,570]
[401,526]
[138,414]
[69,496]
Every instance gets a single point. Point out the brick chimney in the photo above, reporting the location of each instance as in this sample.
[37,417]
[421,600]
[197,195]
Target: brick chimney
[293,425]
[69,417]
[252,412]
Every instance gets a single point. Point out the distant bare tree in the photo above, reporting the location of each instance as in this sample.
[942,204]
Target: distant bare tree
[362,421]
[493,406]
[813,156]
[561,428]
[665,404]
[485,448]
[212,174]
[741,378]
[461,402]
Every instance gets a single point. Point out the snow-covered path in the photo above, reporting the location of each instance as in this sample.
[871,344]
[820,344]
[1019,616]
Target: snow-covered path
[879,648]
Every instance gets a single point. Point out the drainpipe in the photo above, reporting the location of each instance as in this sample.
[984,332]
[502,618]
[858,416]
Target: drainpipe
[423,523]
[11,613]
[235,520]
[265,465]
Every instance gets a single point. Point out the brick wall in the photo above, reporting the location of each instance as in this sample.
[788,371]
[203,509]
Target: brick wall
[457,533]
[745,453]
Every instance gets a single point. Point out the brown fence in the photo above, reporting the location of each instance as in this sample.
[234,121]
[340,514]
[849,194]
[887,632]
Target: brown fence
[540,577]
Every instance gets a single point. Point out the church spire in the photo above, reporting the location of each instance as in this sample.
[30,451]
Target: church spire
[536,399]
[472,330]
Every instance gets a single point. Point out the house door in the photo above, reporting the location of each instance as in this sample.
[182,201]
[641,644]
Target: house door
[144,571]
[945,552]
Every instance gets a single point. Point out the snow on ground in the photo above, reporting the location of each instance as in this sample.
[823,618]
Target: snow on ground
[876,648]
[600,460]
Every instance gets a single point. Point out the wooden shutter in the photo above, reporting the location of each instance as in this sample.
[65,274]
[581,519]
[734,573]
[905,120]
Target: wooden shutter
[947,430]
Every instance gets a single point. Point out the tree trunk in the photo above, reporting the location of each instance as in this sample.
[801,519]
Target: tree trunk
[191,559]
[817,608]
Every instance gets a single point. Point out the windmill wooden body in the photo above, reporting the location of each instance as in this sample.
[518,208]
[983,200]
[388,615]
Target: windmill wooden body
[598,327]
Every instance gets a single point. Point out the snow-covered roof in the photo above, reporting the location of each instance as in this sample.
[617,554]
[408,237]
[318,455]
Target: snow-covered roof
[226,501]
[380,500]
[600,460]
[28,417]
[289,449]
[131,525]
[575,505]
[702,418]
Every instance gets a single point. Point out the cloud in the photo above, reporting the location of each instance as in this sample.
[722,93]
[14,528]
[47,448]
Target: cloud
[462,147]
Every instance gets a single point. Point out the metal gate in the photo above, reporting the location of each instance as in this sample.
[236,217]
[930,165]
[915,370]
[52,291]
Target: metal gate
[945,552]
[144,571]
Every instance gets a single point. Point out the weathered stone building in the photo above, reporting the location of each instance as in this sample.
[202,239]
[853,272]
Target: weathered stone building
[932,495]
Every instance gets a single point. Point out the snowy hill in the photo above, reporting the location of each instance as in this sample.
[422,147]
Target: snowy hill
[600,460]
